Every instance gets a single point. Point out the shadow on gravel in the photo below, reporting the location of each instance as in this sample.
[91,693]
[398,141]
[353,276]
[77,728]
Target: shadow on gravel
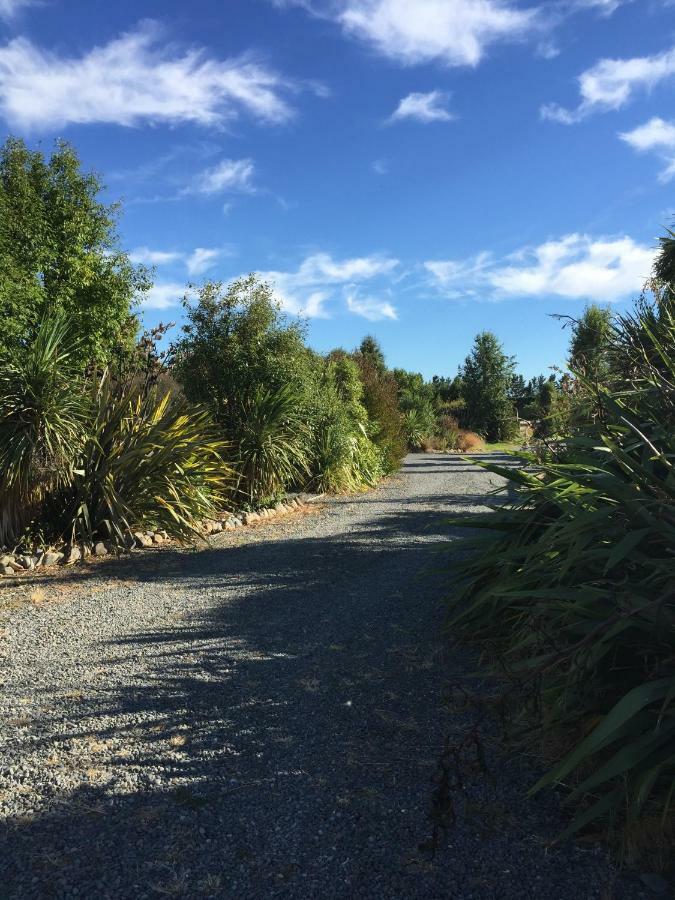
[283,739]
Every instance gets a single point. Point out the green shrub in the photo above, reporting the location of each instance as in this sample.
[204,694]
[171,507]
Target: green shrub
[149,461]
[272,448]
[575,594]
[93,460]
[44,413]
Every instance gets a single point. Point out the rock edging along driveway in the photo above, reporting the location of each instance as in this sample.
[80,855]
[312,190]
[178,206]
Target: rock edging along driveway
[268,718]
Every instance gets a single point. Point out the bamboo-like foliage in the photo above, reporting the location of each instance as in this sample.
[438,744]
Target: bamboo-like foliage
[273,442]
[346,460]
[44,411]
[574,592]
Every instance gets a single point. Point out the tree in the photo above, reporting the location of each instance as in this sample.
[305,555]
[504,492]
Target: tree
[370,349]
[487,379]
[59,252]
[590,341]
[380,398]
[236,341]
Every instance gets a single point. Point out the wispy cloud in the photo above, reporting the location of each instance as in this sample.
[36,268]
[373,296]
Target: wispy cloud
[229,175]
[135,79]
[306,290]
[202,259]
[426,108]
[9,8]
[148,257]
[574,267]
[195,262]
[656,135]
[605,7]
[371,308]
[611,83]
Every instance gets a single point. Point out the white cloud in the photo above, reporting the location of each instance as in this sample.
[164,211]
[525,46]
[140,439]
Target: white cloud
[575,267]
[430,107]
[659,136]
[9,8]
[132,80]
[606,7]
[452,32]
[202,259]
[380,166]
[164,295]
[148,257]
[652,135]
[611,84]
[228,175]
[306,290]
[370,308]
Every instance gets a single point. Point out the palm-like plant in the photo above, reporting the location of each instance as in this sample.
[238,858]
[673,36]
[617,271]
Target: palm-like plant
[273,442]
[44,411]
[148,461]
[577,592]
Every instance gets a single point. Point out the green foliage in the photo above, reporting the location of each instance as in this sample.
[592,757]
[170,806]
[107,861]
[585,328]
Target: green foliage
[575,593]
[591,336]
[58,251]
[344,458]
[415,428]
[416,401]
[149,461]
[380,398]
[273,441]
[370,350]
[487,378]
[237,340]
[85,458]
[43,417]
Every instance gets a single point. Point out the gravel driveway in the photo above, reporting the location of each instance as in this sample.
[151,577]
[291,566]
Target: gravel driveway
[265,718]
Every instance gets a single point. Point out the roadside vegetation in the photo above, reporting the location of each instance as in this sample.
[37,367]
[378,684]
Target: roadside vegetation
[571,595]
[105,429]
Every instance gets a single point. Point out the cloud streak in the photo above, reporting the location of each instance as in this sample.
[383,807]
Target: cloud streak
[611,84]
[318,278]
[132,80]
[574,267]
[658,136]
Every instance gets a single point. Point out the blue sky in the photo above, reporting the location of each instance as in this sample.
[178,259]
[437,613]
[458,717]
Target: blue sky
[417,169]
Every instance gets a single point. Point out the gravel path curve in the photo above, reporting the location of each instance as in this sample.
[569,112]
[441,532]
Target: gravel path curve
[264,718]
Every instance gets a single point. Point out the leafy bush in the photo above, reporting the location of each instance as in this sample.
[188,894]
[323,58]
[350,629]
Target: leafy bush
[59,252]
[380,398]
[415,428]
[44,415]
[84,460]
[272,451]
[149,461]
[344,457]
[575,594]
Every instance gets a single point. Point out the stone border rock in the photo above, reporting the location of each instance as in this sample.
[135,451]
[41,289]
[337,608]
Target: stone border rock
[13,564]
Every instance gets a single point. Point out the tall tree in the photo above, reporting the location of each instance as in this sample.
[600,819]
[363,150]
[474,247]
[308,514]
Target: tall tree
[59,252]
[487,379]
[370,349]
[590,341]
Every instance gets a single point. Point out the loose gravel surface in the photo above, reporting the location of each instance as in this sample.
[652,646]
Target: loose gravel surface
[265,718]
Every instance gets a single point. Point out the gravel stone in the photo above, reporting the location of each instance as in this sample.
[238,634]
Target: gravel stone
[264,718]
